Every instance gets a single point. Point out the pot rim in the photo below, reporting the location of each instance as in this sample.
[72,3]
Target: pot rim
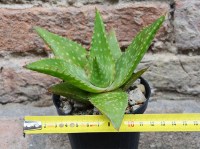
[140,110]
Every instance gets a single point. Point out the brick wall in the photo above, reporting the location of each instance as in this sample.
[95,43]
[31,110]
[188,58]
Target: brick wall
[173,57]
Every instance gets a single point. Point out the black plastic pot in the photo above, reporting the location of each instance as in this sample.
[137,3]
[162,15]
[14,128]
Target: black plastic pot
[121,140]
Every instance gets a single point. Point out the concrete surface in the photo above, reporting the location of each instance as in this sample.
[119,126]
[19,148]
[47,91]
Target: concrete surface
[11,127]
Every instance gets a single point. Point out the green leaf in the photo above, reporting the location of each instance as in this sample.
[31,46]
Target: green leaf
[65,71]
[134,53]
[64,48]
[112,105]
[67,90]
[101,51]
[96,75]
[114,45]
[133,78]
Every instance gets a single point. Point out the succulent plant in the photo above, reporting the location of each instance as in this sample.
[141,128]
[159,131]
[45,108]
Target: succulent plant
[101,75]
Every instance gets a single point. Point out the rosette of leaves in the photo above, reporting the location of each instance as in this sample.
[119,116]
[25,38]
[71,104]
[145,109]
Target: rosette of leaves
[101,75]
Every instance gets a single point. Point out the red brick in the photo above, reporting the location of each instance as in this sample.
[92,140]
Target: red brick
[16,26]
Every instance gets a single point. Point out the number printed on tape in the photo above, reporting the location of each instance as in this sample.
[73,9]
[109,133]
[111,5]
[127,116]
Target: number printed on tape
[99,123]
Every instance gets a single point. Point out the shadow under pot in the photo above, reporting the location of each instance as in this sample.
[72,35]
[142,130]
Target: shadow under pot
[109,140]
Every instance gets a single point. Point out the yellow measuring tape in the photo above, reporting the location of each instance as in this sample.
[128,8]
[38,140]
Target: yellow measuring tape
[99,123]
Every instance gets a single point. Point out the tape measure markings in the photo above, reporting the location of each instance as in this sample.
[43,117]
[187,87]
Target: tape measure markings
[99,123]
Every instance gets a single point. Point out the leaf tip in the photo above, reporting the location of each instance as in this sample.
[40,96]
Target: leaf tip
[37,28]
[117,127]
[96,10]
[165,14]
[27,66]
[49,89]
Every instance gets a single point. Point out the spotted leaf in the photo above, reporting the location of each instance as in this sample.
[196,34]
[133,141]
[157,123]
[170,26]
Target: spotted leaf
[65,71]
[133,78]
[67,90]
[112,105]
[134,53]
[101,51]
[97,75]
[64,48]
[114,45]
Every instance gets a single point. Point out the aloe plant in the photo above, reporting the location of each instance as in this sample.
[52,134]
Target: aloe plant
[101,75]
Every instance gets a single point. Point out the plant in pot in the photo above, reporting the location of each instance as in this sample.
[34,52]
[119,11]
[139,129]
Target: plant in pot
[100,77]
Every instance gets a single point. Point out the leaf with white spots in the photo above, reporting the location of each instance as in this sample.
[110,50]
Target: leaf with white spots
[133,78]
[65,71]
[127,63]
[101,51]
[67,90]
[96,75]
[112,105]
[114,45]
[64,48]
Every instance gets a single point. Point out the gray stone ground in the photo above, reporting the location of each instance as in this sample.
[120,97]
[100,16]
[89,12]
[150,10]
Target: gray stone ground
[169,140]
